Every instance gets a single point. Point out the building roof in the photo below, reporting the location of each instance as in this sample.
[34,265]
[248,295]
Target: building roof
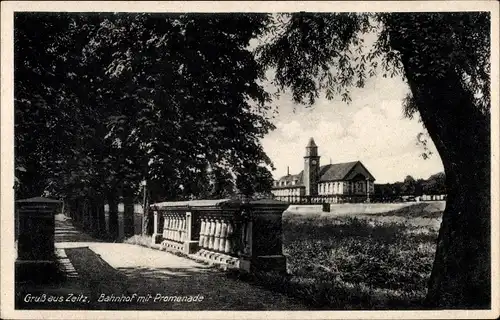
[311,144]
[336,171]
[292,177]
[330,172]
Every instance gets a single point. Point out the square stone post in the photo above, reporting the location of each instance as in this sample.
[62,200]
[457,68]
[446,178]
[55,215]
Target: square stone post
[157,237]
[264,236]
[190,243]
[36,225]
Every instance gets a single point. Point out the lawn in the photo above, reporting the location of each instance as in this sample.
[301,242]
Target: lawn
[367,260]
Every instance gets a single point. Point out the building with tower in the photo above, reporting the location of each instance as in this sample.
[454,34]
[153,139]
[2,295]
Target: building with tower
[332,183]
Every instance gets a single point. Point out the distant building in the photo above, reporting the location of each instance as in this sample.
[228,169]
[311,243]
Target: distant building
[338,182]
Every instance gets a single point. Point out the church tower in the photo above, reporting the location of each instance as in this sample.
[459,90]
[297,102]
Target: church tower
[311,168]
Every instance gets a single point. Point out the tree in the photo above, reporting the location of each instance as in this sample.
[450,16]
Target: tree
[255,181]
[419,187]
[110,100]
[435,184]
[408,186]
[444,57]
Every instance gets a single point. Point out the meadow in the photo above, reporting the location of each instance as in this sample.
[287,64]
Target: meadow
[369,259]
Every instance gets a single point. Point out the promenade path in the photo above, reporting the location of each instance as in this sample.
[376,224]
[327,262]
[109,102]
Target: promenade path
[102,271]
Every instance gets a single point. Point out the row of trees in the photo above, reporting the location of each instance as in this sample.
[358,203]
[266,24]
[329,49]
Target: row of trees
[106,102]
[435,184]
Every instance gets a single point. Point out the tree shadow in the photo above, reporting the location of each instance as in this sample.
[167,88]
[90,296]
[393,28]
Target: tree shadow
[66,232]
[164,273]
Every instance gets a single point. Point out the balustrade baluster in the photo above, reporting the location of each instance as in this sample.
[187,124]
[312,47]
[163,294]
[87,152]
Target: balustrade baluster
[170,225]
[223,236]
[165,227]
[211,237]
[171,228]
[202,233]
[176,227]
[179,229]
[174,222]
[217,234]
[206,239]
[229,242]
[183,228]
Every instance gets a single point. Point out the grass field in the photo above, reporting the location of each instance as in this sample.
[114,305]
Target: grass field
[366,260]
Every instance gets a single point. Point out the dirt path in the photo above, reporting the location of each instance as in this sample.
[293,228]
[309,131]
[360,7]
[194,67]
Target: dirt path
[110,274]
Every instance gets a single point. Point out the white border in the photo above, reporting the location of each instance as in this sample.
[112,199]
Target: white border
[7,158]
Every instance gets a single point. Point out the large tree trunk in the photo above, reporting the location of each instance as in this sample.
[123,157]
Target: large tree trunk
[147,216]
[94,217]
[128,213]
[101,216]
[113,215]
[461,272]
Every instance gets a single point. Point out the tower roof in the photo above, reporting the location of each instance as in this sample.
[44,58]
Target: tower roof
[311,144]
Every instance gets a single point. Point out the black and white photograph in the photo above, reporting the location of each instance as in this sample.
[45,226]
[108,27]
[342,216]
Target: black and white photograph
[294,159]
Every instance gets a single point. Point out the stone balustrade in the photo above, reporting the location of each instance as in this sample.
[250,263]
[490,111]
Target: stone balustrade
[224,231]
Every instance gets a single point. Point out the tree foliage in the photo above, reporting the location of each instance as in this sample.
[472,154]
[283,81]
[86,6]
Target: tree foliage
[114,99]
[445,60]
[434,185]
[328,52]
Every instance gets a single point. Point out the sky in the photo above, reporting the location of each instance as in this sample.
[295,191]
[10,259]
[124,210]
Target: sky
[371,129]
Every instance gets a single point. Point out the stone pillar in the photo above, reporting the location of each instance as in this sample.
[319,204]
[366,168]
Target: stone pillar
[190,243]
[263,249]
[156,238]
[35,248]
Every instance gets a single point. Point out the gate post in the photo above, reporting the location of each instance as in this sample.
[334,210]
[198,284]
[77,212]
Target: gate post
[36,259]
[265,235]
[156,238]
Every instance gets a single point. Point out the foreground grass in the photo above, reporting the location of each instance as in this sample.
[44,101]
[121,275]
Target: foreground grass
[378,261]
